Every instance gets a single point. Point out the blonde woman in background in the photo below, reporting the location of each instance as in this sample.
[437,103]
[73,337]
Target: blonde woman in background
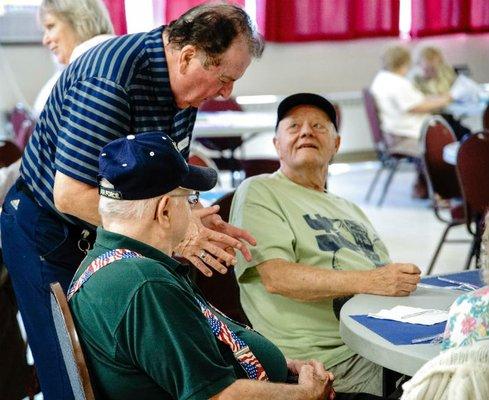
[71,27]
[433,75]
[461,371]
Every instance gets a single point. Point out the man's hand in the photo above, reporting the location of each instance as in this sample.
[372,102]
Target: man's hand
[316,381]
[203,247]
[216,223]
[396,279]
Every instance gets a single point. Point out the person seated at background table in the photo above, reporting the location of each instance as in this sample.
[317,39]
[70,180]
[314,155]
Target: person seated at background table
[71,27]
[403,109]
[146,331]
[313,248]
[434,77]
[461,371]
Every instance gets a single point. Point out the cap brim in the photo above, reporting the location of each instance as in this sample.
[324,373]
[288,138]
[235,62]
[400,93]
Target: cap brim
[200,178]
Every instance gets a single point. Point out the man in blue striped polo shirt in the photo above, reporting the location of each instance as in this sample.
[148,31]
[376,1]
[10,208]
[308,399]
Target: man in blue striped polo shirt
[132,84]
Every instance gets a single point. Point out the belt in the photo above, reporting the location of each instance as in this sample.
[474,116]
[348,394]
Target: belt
[21,186]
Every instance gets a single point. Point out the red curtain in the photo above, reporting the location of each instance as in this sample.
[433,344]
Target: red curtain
[117,13]
[175,8]
[308,20]
[437,17]
[478,16]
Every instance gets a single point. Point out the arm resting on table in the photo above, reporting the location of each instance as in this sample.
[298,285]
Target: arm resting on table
[306,283]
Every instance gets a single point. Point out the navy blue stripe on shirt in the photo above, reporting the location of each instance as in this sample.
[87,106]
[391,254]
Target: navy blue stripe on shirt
[118,88]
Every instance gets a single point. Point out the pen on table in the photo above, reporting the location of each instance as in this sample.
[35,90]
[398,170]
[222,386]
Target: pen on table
[415,314]
[427,338]
[467,285]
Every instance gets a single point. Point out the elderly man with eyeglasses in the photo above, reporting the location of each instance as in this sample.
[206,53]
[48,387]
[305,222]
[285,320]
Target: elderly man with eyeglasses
[145,329]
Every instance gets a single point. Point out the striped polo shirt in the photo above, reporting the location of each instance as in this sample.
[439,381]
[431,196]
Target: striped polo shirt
[118,88]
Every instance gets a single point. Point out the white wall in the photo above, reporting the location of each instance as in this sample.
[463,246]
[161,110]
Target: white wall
[350,65]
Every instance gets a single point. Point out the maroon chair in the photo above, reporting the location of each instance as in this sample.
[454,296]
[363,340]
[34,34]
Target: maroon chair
[473,175]
[389,158]
[9,153]
[23,124]
[222,290]
[442,179]
[225,145]
[257,166]
[485,119]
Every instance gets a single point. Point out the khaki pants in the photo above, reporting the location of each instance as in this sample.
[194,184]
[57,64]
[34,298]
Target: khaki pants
[357,375]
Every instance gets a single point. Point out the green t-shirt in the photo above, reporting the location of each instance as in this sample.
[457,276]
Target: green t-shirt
[304,226]
[144,336]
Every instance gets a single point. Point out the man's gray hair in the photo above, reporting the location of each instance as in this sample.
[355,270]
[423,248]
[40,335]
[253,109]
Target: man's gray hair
[124,209]
[88,18]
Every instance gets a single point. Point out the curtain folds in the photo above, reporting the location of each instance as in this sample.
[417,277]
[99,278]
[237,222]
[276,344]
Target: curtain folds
[308,20]
[117,13]
[175,8]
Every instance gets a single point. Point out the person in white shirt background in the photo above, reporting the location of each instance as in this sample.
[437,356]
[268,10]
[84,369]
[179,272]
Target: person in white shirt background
[403,109]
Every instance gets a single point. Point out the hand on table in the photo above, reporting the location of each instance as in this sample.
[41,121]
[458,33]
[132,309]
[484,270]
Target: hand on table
[395,279]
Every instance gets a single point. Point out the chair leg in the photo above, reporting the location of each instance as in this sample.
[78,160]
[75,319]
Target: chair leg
[438,249]
[471,253]
[388,182]
[374,182]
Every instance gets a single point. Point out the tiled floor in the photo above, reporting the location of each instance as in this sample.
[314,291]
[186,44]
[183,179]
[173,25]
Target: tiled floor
[407,226]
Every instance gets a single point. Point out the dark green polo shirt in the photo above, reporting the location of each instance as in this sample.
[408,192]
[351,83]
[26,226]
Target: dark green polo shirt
[144,336]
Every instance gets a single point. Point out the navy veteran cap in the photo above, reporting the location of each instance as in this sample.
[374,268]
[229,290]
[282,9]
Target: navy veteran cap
[148,165]
[311,99]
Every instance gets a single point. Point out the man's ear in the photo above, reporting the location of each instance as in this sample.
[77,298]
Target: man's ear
[163,211]
[186,54]
[275,144]
[337,143]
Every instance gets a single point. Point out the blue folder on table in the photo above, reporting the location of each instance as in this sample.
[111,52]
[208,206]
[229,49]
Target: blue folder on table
[399,332]
[403,333]
[471,277]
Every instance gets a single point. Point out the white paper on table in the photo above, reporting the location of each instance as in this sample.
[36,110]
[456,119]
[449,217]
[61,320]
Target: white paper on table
[466,90]
[412,315]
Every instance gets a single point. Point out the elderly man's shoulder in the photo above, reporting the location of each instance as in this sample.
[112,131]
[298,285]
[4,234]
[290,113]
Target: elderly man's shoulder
[264,183]
[141,270]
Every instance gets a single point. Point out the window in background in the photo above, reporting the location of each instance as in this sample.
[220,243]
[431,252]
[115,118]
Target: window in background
[140,15]
[405,19]
[18,21]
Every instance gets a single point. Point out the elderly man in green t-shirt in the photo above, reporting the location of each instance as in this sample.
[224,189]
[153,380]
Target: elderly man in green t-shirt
[314,248]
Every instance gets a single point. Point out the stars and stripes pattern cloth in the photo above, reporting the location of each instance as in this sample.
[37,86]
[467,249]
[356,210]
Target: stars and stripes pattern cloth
[240,349]
[100,262]
[242,353]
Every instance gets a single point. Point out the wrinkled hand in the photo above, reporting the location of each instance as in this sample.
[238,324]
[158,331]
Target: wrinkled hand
[203,246]
[216,223]
[396,279]
[316,381]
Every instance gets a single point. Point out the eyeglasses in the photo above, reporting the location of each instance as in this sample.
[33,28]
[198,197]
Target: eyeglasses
[192,198]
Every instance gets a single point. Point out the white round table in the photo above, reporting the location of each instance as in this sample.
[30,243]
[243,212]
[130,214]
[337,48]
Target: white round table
[406,359]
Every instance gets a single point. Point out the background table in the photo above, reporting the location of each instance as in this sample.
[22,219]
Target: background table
[405,359]
[450,153]
[233,123]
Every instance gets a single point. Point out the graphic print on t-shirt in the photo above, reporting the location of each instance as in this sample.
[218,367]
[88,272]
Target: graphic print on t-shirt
[336,237]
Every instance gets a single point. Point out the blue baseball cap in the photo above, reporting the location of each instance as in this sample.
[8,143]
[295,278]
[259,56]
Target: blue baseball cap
[148,165]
